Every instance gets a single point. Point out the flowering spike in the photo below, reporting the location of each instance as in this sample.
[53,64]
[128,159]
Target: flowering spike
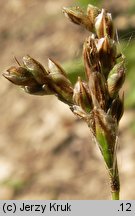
[19,76]
[91,57]
[55,68]
[98,90]
[116,79]
[38,90]
[96,100]
[58,76]
[77,16]
[117,108]
[92,12]
[60,83]
[104,25]
[36,69]
[34,90]
[81,95]
[78,111]
[107,54]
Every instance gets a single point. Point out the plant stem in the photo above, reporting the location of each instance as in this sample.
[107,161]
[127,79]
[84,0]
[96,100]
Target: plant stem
[115,183]
[115,195]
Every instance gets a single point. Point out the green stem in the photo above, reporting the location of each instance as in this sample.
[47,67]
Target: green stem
[115,183]
[115,195]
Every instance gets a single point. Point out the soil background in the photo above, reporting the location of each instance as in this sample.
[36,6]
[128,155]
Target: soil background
[45,151]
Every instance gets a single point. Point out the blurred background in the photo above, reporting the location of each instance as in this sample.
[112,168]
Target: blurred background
[45,151]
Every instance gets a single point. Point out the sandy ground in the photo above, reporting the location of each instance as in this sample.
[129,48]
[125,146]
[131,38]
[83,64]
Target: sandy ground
[45,151]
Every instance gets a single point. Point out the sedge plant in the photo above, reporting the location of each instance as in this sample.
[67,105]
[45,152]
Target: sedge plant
[95,99]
